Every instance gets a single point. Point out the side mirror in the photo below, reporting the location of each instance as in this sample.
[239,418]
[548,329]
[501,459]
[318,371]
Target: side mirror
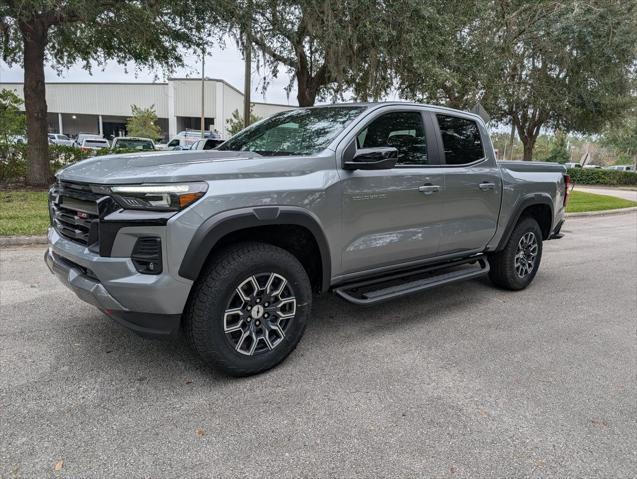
[382,158]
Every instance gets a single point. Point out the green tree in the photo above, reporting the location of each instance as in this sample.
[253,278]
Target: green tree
[622,137]
[150,33]
[235,123]
[143,123]
[448,64]
[558,148]
[12,121]
[564,65]
[329,46]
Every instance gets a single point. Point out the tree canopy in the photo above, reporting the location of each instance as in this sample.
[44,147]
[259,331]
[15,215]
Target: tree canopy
[329,46]
[151,33]
[542,64]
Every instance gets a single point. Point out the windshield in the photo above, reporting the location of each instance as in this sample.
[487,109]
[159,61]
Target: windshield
[134,143]
[304,131]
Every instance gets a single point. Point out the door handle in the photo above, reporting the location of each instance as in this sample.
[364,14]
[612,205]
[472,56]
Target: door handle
[428,189]
[486,186]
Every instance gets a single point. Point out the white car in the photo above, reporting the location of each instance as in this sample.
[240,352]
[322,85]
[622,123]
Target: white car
[94,144]
[206,144]
[572,165]
[60,139]
[133,143]
[621,168]
[185,139]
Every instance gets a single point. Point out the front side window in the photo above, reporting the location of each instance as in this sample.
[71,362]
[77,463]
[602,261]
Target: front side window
[404,131]
[461,140]
[304,131]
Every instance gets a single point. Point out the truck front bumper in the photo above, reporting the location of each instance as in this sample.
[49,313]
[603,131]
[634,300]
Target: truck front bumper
[150,305]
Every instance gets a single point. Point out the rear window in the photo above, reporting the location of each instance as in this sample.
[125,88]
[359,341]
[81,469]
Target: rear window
[461,140]
[136,144]
[98,143]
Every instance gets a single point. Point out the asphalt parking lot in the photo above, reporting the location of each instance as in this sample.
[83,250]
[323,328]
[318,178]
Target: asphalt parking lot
[466,381]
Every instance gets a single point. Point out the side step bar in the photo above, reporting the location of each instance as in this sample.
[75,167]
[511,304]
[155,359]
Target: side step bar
[384,288]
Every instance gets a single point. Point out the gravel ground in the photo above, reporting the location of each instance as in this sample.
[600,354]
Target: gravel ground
[463,382]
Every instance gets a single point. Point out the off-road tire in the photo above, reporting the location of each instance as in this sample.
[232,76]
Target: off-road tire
[204,318]
[503,263]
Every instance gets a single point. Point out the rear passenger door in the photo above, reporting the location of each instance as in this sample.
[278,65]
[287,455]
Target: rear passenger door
[473,187]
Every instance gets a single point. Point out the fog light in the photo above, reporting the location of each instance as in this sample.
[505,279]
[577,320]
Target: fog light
[146,255]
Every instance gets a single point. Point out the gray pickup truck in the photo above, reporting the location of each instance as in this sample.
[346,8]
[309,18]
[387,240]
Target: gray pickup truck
[370,201]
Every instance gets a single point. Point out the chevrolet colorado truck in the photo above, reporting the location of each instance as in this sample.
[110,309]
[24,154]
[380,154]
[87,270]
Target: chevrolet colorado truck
[370,201]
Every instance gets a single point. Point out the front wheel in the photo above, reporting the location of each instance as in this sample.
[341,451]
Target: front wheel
[249,309]
[516,265]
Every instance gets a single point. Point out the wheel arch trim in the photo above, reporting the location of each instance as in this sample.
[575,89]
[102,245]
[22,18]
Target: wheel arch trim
[524,203]
[211,231]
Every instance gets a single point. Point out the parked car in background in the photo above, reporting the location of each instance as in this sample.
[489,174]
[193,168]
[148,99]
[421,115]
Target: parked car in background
[621,168]
[132,143]
[591,167]
[572,165]
[184,140]
[17,139]
[83,136]
[60,139]
[94,144]
[206,144]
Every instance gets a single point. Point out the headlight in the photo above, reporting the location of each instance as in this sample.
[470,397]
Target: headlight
[167,197]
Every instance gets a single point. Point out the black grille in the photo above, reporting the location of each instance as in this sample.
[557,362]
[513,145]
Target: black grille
[73,208]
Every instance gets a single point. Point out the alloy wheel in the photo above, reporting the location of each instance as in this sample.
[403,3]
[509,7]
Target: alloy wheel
[259,313]
[526,254]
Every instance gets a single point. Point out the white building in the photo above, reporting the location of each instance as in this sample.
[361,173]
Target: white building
[104,107]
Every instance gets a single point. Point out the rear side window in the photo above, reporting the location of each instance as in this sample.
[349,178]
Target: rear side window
[461,140]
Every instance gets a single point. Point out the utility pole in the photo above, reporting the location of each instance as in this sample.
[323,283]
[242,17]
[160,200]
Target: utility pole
[511,140]
[247,79]
[247,87]
[203,84]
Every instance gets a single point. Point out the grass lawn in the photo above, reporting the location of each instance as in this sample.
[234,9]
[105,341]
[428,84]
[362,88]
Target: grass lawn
[580,201]
[23,213]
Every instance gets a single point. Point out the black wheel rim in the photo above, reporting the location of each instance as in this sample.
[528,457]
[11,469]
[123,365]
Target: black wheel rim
[259,313]
[526,254]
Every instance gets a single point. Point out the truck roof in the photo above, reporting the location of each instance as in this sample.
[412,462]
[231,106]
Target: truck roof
[379,104]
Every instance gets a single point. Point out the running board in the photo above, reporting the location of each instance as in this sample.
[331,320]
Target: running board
[401,284]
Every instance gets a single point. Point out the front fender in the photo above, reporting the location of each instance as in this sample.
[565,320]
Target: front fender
[216,227]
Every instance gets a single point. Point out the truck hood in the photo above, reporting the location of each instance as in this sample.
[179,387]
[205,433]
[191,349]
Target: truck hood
[167,167]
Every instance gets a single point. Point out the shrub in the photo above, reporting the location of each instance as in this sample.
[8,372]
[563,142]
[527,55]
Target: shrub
[13,160]
[596,176]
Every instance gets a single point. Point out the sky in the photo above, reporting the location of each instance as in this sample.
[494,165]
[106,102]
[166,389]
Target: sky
[223,63]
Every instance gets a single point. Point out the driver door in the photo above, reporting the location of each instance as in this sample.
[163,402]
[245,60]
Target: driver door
[393,216]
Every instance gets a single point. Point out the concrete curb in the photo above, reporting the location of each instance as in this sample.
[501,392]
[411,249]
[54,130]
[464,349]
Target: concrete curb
[585,214]
[22,240]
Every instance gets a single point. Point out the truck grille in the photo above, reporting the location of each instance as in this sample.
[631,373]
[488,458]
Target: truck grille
[73,210]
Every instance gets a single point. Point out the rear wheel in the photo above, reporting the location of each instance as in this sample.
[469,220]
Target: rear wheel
[516,265]
[249,309]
